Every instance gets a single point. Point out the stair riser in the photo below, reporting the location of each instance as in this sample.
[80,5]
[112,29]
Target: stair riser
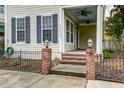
[79,59]
[73,63]
[74,57]
[68,73]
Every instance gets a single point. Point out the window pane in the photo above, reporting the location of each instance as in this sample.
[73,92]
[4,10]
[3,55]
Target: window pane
[20,30]
[20,36]
[47,22]
[67,36]
[46,35]
[71,32]
[71,27]
[1,9]
[67,25]
[71,37]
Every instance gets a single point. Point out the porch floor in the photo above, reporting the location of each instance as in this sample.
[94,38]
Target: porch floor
[76,52]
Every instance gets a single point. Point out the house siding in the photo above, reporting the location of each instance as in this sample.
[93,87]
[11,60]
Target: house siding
[32,11]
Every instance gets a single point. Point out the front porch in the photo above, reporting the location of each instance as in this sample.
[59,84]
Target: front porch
[79,23]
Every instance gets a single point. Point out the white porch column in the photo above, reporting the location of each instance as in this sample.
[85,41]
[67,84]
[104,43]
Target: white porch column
[5,26]
[99,36]
[62,31]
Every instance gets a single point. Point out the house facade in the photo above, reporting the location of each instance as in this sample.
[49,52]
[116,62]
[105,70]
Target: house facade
[67,28]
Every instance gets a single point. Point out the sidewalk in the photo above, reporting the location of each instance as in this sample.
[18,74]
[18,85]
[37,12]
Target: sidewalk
[15,79]
[103,84]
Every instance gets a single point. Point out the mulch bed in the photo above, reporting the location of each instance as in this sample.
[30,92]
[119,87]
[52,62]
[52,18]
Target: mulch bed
[26,65]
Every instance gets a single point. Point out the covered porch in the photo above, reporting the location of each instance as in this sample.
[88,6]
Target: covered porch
[79,23]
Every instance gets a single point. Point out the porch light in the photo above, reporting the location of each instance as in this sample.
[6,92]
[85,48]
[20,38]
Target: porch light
[90,43]
[46,43]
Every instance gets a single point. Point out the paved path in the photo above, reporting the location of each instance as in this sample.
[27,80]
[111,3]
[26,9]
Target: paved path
[14,79]
[103,84]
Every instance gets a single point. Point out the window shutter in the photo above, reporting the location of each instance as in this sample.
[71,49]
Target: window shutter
[55,28]
[13,23]
[27,22]
[39,29]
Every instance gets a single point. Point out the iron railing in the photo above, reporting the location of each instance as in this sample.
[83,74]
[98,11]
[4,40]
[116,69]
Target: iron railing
[111,68]
[27,61]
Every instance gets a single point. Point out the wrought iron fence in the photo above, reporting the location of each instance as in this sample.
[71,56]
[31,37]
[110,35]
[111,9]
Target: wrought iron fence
[27,61]
[111,68]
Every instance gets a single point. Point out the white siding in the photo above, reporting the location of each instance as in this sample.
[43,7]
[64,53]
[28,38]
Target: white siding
[32,11]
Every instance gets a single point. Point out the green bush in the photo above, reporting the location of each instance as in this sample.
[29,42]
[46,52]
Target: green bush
[107,53]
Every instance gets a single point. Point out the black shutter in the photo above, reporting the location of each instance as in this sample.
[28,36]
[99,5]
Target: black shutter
[13,23]
[39,29]
[27,22]
[55,28]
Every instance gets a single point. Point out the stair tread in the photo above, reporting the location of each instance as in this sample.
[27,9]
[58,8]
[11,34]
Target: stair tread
[70,68]
[74,62]
[74,56]
[81,61]
[67,54]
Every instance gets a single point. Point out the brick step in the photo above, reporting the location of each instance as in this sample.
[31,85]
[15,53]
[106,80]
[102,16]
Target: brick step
[69,70]
[73,62]
[69,54]
[74,58]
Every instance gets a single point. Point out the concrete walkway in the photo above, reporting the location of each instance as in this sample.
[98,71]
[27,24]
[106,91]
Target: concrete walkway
[14,79]
[103,84]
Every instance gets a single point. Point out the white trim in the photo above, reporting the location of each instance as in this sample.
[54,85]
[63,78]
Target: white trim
[99,36]
[48,13]
[62,28]
[20,16]
[5,33]
[73,6]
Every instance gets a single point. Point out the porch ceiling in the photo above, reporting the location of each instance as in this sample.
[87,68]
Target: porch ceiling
[84,15]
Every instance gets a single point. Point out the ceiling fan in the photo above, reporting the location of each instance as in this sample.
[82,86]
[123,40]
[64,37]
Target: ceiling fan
[84,12]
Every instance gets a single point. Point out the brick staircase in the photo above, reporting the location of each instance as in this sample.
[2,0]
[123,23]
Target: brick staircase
[69,58]
[72,65]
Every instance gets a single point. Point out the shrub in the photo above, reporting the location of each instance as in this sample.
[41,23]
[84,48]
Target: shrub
[107,53]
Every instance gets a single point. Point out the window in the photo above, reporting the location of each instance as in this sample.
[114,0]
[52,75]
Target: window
[47,28]
[69,31]
[72,32]
[20,29]
[1,9]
